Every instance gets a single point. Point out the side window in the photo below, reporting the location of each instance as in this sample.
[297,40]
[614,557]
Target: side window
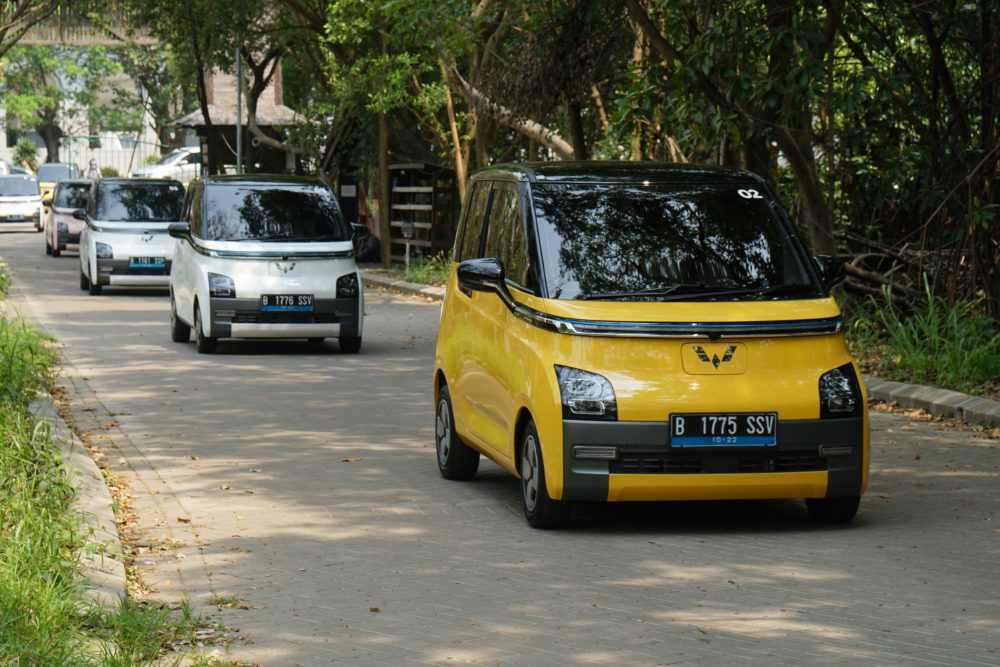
[506,233]
[473,230]
[195,192]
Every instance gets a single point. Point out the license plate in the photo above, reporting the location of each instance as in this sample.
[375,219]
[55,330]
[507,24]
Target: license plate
[286,302]
[758,429]
[147,263]
[16,218]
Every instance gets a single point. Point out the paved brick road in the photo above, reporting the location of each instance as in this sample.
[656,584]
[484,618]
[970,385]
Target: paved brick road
[309,481]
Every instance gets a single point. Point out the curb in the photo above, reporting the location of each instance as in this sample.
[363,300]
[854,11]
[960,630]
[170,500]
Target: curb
[100,562]
[372,278]
[938,402]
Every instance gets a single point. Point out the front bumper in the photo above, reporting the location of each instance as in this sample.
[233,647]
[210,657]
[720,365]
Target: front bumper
[812,459]
[118,272]
[243,318]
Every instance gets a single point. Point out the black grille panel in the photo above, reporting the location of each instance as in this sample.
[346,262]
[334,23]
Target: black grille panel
[250,317]
[717,462]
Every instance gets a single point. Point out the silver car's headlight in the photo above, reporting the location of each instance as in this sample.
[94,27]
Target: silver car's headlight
[103,250]
[62,227]
[221,286]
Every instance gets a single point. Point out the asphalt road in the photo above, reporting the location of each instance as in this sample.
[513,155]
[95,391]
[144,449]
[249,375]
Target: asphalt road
[291,492]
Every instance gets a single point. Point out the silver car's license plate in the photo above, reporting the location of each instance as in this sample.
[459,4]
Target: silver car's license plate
[147,263]
[756,429]
[286,302]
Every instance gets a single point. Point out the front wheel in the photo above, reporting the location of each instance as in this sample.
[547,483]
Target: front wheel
[56,250]
[456,460]
[833,510]
[540,509]
[204,344]
[350,344]
[179,331]
[48,247]
[95,287]
[84,282]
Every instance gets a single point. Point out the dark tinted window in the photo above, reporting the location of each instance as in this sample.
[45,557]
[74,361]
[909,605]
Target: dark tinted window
[505,233]
[72,195]
[18,186]
[48,173]
[242,212]
[138,201]
[472,236]
[686,242]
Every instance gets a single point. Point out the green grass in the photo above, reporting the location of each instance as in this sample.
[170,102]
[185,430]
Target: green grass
[431,271]
[44,618]
[947,345]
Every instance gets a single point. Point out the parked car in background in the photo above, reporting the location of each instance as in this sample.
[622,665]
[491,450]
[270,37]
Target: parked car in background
[62,229]
[51,173]
[20,202]
[124,240]
[264,257]
[181,164]
[630,332]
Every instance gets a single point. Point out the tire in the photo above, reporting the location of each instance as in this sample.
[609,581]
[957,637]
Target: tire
[456,460]
[56,251]
[179,331]
[350,344]
[540,510]
[204,344]
[833,510]
[48,247]
[84,283]
[95,287]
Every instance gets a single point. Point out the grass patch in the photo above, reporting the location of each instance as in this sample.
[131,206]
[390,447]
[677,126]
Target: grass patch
[430,271]
[947,345]
[44,617]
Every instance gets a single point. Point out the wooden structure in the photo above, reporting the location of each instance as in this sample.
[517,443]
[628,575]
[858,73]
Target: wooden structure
[424,194]
[69,25]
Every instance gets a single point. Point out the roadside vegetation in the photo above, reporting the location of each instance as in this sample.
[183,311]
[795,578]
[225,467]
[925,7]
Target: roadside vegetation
[430,270]
[44,617]
[952,345]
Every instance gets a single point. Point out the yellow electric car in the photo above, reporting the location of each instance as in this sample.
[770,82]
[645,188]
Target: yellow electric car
[642,331]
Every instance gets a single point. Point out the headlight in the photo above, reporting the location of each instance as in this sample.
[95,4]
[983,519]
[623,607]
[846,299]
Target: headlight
[103,250]
[221,286]
[347,286]
[839,393]
[586,395]
[62,228]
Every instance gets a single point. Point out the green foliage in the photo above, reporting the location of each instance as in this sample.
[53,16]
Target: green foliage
[949,345]
[109,172]
[431,271]
[26,154]
[4,278]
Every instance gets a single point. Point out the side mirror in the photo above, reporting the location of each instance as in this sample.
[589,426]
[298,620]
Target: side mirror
[358,230]
[178,230]
[831,270]
[481,275]
[80,214]
[47,203]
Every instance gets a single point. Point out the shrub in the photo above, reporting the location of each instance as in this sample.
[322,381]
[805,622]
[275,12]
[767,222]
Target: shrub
[432,271]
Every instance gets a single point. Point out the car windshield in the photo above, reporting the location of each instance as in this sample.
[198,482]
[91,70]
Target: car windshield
[658,242]
[48,173]
[170,157]
[72,195]
[280,212]
[18,186]
[138,201]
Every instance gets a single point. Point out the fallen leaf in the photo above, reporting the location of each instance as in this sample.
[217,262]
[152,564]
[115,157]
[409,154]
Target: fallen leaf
[352,459]
[374,610]
[183,519]
[917,457]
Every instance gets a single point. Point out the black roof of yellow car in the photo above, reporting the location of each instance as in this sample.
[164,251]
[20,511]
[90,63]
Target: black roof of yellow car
[614,171]
[260,179]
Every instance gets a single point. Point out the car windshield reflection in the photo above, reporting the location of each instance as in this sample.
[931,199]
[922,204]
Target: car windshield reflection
[273,214]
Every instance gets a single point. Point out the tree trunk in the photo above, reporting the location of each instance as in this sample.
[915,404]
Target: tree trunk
[384,230]
[757,156]
[461,171]
[52,135]
[576,134]
[797,146]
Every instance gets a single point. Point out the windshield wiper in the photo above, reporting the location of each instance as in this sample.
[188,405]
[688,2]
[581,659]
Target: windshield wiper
[650,292]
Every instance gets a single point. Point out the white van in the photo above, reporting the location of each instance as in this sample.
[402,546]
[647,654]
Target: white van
[264,257]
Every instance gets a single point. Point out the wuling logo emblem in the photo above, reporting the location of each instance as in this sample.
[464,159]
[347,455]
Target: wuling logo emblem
[146,238]
[715,361]
[284,268]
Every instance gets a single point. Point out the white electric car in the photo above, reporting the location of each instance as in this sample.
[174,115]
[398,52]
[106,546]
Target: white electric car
[20,202]
[124,240]
[264,257]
